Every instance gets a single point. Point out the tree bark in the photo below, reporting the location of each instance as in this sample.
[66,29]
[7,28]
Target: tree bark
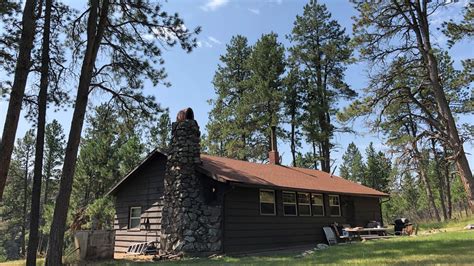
[18,90]
[38,168]
[96,25]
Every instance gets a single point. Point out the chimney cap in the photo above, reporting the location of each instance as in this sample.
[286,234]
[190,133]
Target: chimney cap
[185,114]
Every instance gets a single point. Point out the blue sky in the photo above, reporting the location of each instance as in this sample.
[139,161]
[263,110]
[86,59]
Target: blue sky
[191,74]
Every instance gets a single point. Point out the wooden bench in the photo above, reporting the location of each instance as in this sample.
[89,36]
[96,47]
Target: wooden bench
[371,237]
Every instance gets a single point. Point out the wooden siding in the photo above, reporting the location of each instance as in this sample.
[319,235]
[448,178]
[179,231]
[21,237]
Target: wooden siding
[246,230]
[143,189]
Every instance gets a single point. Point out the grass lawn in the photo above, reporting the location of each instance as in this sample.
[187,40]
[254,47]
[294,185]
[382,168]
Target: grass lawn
[452,245]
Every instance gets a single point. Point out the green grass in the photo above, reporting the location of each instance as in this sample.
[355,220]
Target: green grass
[452,245]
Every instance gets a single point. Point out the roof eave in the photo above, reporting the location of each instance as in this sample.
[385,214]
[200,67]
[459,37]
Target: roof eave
[241,184]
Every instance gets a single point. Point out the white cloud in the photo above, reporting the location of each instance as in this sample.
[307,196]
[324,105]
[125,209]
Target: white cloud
[204,44]
[254,10]
[213,5]
[214,40]
[279,2]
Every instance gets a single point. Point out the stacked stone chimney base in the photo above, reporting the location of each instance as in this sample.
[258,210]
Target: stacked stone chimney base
[188,224]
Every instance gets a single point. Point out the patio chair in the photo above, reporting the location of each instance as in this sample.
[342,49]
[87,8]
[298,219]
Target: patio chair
[340,235]
[330,235]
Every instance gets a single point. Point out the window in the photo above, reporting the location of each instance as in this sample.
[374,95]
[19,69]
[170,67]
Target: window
[304,206]
[334,205]
[267,202]
[317,204]
[134,222]
[289,204]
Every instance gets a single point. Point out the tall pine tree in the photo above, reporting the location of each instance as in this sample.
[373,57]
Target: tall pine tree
[321,47]
[267,65]
[231,129]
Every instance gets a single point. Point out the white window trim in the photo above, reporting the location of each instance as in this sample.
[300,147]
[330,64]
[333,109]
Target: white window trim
[260,202]
[130,218]
[296,203]
[304,204]
[331,205]
[324,211]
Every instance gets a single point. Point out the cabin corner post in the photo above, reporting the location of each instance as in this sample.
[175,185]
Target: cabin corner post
[188,224]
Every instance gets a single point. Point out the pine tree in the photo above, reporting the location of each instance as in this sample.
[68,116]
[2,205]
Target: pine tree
[463,29]
[109,150]
[322,49]
[352,167]
[53,159]
[378,30]
[113,32]
[14,209]
[267,65]
[22,69]
[231,129]
[292,101]
[160,135]
[378,170]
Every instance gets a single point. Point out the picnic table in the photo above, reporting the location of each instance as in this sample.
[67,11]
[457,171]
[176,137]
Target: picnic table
[368,233]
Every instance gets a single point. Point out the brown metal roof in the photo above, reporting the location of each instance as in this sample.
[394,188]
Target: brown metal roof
[271,175]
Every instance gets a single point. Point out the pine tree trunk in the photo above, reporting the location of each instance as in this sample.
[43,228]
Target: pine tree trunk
[43,237]
[25,204]
[22,70]
[447,119]
[95,29]
[38,168]
[440,179]
[314,156]
[448,191]
[293,140]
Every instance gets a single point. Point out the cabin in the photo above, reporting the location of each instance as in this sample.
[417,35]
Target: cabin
[185,201]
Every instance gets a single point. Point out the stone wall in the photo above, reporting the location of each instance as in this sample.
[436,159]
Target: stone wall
[188,223]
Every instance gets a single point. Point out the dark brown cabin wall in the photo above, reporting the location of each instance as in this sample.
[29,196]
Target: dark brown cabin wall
[246,230]
[144,189]
[368,209]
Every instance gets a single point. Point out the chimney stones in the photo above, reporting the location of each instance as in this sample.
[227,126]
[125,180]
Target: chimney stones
[188,224]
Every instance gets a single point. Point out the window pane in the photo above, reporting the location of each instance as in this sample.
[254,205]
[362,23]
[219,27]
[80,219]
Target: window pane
[289,197]
[303,198]
[317,199]
[304,210]
[334,200]
[318,210]
[267,208]
[335,211]
[267,196]
[134,223]
[135,212]
[289,209]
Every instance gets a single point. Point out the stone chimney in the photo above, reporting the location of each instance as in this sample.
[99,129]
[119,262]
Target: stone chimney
[188,224]
[273,156]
